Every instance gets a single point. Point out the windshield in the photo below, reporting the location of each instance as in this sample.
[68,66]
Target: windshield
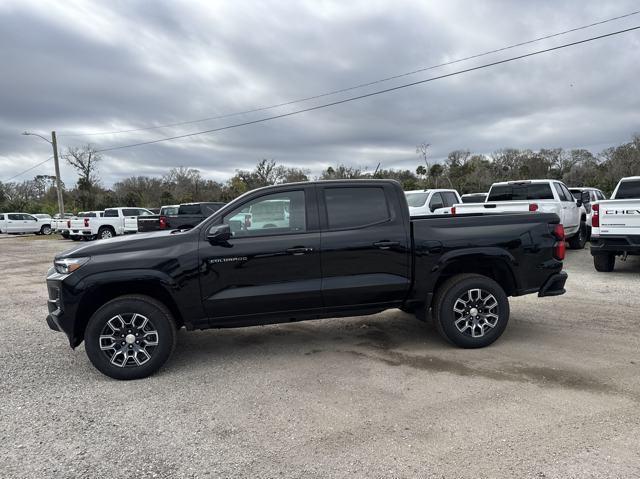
[417,199]
[628,190]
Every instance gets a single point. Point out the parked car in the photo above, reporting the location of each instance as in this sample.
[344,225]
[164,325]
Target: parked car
[347,248]
[587,196]
[474,197]
[184,216]
[114,222]
[615,225]
[15,223]
[545,196]
[431,202]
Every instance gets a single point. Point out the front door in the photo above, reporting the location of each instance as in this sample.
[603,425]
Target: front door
[365,245]
[272,262]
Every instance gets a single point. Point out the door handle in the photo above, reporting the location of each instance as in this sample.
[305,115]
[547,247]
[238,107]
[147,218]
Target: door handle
[386,244]
[299,250]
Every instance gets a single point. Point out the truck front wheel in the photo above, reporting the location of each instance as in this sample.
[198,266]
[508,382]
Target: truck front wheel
[604,262]
[130,337]
[470,310]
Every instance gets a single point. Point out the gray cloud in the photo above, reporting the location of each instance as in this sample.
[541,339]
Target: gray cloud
[90,67]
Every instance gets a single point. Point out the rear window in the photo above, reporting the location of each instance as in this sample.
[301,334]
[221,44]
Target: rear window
[169,210]
[189,210]
[355,207]
[521,192]
[474,198]
[416,200]
[628,190]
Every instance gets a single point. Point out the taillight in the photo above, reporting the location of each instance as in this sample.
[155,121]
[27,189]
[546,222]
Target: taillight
[68,223]
[560,247]
[86,222]
[163,222]
[533,207]
[453,211]
[595,216]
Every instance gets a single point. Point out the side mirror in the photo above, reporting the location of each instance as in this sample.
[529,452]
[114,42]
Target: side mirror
[219,234]
[584,197]
[578,203]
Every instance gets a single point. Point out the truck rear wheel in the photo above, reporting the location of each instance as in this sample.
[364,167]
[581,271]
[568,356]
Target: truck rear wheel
[578,240]
[130,337]
[105,232]
[470,310]
[604,262]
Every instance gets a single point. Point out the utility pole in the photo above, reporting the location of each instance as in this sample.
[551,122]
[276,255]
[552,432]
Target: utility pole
[54,143]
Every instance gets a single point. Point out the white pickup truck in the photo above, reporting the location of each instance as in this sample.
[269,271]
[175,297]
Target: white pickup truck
[113,222]
[431,202]
[615,225]
[545,196]
[16,223]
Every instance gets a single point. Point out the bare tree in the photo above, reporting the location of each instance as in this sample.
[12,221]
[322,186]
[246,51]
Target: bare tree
[85,161]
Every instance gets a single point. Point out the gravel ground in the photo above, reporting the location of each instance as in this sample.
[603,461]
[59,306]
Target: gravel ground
[378,396]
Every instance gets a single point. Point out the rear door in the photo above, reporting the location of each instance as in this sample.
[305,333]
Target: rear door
[262,269]
[570,211]
[365,246]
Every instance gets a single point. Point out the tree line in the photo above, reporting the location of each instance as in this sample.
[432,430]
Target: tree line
[462,170]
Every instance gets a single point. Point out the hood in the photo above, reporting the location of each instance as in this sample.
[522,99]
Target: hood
[127,243]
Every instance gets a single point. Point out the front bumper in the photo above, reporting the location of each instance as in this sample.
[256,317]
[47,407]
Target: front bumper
[62,313]
[615,244]
[554,285]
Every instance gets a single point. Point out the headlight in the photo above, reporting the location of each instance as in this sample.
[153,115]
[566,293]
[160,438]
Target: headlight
[69,265]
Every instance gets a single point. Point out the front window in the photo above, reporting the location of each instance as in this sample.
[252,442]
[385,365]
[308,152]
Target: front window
[278,213]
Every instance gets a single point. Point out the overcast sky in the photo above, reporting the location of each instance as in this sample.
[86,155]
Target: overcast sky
[88,67]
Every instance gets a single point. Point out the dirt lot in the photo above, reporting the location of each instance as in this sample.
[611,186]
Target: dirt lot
[381,396]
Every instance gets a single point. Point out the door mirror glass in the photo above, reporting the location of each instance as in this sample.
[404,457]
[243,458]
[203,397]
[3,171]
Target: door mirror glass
[585,197]
[219,234]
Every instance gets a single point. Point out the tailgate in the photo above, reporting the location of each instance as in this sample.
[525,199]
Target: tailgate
[619,217]
[148,223]
[493,207]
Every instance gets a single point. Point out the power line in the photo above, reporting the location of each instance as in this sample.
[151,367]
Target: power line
[361,85]
[379,92]
[29,169]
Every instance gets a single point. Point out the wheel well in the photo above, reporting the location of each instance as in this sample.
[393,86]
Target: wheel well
[106,227]
[493,268]
[93,300]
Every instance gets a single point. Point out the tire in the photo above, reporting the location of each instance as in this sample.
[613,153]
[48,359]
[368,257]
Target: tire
[475,331]
[578,240]
[76,238]
[143,321]
[65,235]
[604,262]
[106,232]
[45,230]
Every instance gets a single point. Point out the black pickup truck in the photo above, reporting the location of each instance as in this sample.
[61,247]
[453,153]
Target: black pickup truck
[343,248]
[187,216]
